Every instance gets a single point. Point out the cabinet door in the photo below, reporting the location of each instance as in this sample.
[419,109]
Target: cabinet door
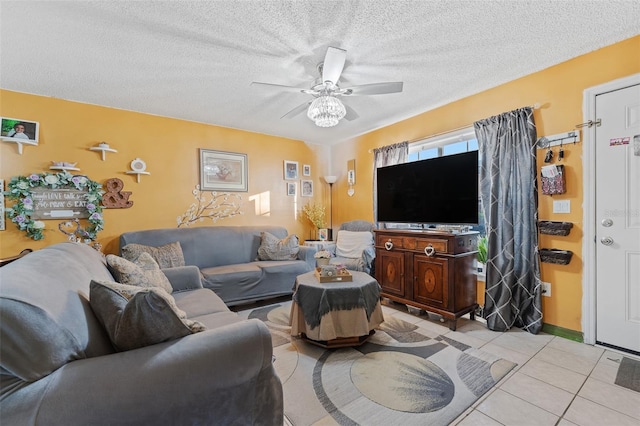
[390,271]
[431,277]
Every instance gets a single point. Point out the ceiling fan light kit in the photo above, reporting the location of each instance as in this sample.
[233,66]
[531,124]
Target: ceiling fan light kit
[326,111]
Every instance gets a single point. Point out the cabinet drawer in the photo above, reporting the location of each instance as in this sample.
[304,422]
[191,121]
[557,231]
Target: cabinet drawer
[441,246]
[382,240]
[418,244]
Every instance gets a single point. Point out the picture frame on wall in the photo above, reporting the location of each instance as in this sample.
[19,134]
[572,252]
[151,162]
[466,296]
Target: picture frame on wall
[290,169]
[223,171]
[306,188]
[291,189]
[18,130]
[306,170]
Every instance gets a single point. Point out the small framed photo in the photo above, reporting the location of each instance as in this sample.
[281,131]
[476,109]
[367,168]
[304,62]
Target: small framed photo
[307,188]
[306,170]
[19,130]
[323,234]
[291,189]
[223,171]
[290,169]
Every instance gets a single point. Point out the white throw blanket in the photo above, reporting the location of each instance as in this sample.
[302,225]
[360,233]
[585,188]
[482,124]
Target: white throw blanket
[351,244]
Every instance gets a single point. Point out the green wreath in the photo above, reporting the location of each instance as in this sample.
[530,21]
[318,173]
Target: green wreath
[20,188]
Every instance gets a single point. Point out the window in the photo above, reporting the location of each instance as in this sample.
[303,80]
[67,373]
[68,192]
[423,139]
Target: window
[448,144]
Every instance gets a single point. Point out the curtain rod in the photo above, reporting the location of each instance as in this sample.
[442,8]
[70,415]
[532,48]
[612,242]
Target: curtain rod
[534,106]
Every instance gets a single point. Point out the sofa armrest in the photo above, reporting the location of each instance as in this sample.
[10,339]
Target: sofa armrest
[306,253]
[218,376]
[184,277]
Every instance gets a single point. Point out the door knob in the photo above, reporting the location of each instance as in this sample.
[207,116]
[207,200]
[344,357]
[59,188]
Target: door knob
[607,223]
[607,241]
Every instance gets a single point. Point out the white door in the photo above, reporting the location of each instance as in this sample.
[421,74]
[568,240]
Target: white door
[617,215]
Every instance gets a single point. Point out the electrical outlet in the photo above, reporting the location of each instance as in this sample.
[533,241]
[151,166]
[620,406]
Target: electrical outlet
[546,289]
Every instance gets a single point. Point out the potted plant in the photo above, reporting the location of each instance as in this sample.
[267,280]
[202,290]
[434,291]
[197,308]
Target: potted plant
[482,253]
[315,214]
[322,257]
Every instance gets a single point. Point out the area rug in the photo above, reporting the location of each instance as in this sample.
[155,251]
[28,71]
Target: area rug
[401,375]
[628,375]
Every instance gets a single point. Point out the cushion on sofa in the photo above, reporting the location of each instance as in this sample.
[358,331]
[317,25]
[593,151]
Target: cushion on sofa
[141,272]
[168,256]
[273,248]
[138,316]
[351,244]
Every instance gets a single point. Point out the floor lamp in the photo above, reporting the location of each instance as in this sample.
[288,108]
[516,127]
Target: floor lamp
[330,180]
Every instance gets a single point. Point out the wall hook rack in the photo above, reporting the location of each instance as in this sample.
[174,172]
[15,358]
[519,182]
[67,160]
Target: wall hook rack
[552,140]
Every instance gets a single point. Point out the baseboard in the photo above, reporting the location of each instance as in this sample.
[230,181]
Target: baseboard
[576,336]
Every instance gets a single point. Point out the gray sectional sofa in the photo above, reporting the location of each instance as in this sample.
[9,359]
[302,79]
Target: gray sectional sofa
[58,365]
[227,257]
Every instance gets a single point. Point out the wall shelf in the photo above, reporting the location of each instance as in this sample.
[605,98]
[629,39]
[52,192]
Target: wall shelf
[20,143]
[138,174]
[64,168]
[103,150]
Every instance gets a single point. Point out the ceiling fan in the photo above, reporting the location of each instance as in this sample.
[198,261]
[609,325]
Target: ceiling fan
[326,110]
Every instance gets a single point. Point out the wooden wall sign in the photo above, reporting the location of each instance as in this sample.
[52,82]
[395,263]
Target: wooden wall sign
[59,203]
[115,197]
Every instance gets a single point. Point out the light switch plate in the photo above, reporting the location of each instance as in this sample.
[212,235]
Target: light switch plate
[562,206]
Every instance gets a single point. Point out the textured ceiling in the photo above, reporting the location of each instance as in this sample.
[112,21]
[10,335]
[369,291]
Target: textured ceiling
[195,60]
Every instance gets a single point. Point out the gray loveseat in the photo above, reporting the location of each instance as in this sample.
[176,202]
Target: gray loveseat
[227,258]
[58,366]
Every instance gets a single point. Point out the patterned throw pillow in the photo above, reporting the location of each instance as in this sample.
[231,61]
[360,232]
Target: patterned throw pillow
[142,272]
[272,248]
[168,256]
[135,317]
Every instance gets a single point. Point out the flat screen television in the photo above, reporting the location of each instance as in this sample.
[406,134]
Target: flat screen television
[441,190]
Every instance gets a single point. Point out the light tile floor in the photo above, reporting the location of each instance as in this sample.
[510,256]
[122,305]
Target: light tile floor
[556,382]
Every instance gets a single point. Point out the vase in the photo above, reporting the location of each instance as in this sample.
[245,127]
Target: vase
[322,261]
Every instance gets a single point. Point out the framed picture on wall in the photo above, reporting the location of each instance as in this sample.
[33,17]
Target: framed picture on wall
[307,188]
[306,170]
[19,130]
[290,169]
[223,171]
[291,189]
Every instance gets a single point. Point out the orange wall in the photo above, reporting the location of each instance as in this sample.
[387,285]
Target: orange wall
[559,90]
[170,149]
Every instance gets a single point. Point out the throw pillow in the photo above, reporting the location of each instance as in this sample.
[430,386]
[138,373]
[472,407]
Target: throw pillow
[272,248]
[168,256]
[142,272]
[136,316]
[351,244]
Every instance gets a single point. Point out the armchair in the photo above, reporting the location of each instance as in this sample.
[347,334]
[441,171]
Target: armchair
[354,246]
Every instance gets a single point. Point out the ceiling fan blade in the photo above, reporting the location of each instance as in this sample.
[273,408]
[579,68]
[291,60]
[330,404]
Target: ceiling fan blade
[333,64]
[297,110]
[374,89]
[351,114]
[278,86]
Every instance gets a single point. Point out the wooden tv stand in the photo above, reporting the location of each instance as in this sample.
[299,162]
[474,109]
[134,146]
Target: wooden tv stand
[430,270]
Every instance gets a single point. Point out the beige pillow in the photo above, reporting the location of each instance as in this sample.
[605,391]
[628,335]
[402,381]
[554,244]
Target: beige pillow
[137,316]
[351,244]
[272,248]
[168,256]
[142,272]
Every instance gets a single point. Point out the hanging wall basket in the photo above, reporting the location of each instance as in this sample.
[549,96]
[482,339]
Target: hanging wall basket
[554,228]
[559,257]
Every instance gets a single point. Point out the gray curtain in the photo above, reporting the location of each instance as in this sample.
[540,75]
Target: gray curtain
[510,205]
[386,156]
